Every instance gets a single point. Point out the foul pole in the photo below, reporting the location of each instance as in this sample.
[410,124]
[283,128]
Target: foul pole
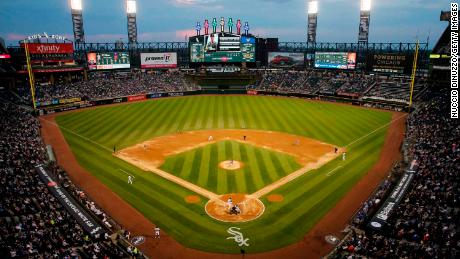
[414,71]
[31,75]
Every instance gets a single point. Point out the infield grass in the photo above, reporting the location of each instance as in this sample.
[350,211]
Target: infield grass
[200,166]
[92,134]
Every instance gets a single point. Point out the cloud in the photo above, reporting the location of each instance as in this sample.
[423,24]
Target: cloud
[188,3]
[15,36]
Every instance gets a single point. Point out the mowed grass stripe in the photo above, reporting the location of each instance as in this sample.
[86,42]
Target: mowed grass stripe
[201,115]
[285,123]
[184,111]
[205,164]
[240,180]
[221,174]
[161,111]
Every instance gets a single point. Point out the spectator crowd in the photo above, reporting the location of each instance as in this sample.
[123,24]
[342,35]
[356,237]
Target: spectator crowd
[33,222]
[426,222]
[110,85]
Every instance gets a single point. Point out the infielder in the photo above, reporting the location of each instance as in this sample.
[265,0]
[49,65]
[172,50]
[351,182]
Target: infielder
[344,156]
[130,179]
[211,138]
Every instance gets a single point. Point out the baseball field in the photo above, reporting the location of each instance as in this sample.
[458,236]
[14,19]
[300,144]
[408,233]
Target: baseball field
[185,153]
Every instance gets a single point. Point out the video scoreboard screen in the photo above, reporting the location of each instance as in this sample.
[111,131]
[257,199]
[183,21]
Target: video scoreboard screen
[222,48]
[335,60]
[114,60]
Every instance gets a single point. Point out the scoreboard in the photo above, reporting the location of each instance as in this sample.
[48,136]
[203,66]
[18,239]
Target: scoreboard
[113,60]
[222,48]
[335,60]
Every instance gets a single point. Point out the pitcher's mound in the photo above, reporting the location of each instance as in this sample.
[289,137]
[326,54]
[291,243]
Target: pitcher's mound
[231,165]
[220,209]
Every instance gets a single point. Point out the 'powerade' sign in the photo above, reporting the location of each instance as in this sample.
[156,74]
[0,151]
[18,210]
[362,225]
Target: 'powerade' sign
[159,60]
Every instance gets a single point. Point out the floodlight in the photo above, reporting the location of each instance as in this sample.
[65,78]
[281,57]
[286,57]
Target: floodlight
[366,5]
[76,5]
[313,7]
[131,6]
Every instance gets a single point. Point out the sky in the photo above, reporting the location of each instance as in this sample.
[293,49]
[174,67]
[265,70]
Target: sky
[174,20]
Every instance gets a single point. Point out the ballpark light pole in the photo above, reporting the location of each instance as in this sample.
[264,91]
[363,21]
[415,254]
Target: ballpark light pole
[131,11]
[312,20]
[77,20]
[364,21]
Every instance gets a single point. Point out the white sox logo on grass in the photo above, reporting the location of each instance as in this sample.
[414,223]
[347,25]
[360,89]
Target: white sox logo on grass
[237,236]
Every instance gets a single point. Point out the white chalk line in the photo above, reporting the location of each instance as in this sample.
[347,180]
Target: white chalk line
[76,134]
[331,172]
[376,130]
[127,173]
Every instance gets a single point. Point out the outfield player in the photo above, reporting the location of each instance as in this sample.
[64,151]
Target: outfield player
[344,156]
[130,179]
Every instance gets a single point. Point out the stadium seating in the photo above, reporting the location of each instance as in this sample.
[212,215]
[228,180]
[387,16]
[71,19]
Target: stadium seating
[33,223]
[425,225]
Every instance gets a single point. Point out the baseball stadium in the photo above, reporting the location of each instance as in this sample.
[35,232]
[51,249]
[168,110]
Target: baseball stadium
[231,143]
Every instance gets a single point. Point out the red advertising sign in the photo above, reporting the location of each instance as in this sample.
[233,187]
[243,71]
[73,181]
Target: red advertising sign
[252,92]
[136,98]
[4,56]
[49,48]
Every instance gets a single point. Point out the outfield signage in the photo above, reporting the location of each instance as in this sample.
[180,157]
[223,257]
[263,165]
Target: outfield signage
[285,59]
[5,56]
[49,48]
[390,63]
[380,219]
[137,98]
[80,215]
[159,60]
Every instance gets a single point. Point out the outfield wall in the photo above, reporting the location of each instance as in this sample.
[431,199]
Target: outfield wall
[143,97]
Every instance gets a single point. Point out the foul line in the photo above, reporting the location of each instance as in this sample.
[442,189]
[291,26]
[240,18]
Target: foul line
[127,173]
[76,134]
[330,173]
[371,133]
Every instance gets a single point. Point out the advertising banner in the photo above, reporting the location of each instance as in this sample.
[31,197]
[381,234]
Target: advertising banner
[5,56]
[50,48]
[379,220]
[137,98]
[364,28]
[79,214]
[159,60]
[390,63]
[285,59]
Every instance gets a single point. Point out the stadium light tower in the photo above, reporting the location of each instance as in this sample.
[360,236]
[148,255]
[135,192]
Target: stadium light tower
[364,21]
[76,7]
[131,11]
[312,20]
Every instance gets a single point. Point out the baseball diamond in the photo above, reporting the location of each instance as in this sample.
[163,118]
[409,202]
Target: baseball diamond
[307,195]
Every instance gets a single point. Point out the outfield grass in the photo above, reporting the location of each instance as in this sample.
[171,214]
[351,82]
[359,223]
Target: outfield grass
[306,199]
[200,166]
